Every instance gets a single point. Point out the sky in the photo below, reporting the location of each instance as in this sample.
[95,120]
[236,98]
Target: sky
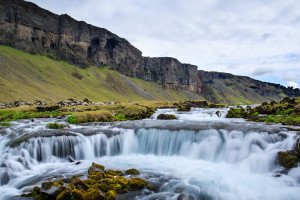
[256,38]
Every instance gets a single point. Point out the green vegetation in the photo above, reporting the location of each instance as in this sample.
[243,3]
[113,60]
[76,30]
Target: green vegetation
[4,124]
[287,112]
[56,125]
[100,184]
[34,77]
[119,112]
[12,114]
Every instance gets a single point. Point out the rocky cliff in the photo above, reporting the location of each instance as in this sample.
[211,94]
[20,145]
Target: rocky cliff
[27,27]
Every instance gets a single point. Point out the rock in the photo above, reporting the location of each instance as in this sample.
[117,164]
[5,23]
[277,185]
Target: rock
[183,197]
[93,194]
[115,173]
[96,168]
[136,184]
[57,126]
[166,117]
[51,188]
[77,194]
[120,184]
[111,195]
[70,159]
[288,159]
[78,183]
[132,171]
[65,194]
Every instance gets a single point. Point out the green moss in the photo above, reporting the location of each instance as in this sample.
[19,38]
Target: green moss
[287,160]
[111,195]
[136,184]
[132,171]
[56,125]
[93,194]
[77,194]
[166,117]
[4,124]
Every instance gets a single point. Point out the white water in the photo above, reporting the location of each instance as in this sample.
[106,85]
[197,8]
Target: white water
[203,163]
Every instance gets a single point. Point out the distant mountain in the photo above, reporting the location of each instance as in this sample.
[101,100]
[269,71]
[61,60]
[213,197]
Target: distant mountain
[29,28]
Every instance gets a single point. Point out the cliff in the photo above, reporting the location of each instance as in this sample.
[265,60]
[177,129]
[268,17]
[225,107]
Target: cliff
[27,27]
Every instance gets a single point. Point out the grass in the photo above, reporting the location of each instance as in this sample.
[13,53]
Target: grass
[34,77]
[287,112]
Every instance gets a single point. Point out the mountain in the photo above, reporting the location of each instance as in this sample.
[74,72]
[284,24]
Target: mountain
[27,27]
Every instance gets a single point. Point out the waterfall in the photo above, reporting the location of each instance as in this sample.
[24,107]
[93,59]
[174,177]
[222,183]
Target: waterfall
[27,148]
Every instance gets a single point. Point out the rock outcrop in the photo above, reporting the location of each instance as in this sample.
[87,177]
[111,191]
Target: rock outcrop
[25,26]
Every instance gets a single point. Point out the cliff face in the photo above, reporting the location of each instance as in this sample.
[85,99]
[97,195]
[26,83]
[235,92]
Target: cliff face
[225,87]
[27,27]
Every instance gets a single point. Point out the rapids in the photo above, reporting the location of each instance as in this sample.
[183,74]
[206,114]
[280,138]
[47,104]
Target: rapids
[202,155]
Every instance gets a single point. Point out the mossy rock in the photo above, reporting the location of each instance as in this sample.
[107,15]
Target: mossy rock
[132,171]
[120,184]
[103,187]
[111,195]
[166,117]
[96,168]
[183,109]
[112,172]
[97,176]
[136,184]
[77,194]
[93,194]
[57,126]
[65,194]
[287,160]
[78,184]
[90,181]
[51,188]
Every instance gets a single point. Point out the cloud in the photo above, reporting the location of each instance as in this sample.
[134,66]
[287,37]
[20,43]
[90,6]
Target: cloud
[292,84]
[262,71]
[212,34]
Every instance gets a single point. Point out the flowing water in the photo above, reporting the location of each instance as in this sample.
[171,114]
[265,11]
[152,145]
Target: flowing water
[202,155]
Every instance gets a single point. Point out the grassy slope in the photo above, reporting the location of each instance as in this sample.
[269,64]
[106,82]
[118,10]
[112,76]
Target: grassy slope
[34,77]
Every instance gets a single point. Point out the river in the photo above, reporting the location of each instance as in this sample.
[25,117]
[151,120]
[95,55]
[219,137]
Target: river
[201,155]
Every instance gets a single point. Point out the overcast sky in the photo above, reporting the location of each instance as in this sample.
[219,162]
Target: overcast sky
[256,38]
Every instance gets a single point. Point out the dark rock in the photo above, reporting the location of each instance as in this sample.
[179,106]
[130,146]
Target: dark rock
[288,159]
[132,171]
[136,184]
[166,117]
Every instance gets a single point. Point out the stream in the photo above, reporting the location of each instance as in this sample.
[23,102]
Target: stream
[200,156]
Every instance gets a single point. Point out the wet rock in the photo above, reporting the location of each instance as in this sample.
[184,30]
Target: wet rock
[120,184]
[183,197]
[51,188]
[93,194]
[57,126]
[288,159]
[166,117]
[65,194]
[136,184]
[70,159]
[132,171]
[77,194]
[96,168]
[78,183]
[111,195]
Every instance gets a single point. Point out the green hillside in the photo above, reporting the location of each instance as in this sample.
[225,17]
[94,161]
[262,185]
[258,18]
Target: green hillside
[33,77]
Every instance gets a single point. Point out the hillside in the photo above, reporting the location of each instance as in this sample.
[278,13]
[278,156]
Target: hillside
[85,61]
[34,77]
